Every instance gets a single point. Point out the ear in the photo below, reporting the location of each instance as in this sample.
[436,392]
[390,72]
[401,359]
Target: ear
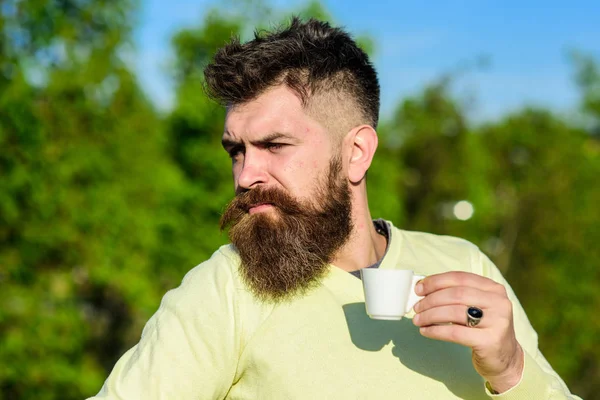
[363,143]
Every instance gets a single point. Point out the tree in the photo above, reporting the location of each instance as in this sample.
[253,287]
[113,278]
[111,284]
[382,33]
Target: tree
[530,179]
[544,180]
[105,205]
[82,171]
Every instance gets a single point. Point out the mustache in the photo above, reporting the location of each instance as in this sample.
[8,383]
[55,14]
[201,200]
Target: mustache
[243,202]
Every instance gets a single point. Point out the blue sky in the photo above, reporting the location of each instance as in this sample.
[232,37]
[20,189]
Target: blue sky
[417,41]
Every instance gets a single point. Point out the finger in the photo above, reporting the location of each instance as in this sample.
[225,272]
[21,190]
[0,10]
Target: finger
[465,296]
[459,334]
[445,280]
[456,314]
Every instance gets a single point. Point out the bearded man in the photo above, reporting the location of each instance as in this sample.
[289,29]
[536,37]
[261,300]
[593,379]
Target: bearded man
[279,313]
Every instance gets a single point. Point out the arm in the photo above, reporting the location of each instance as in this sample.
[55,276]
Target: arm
[538,380]
[504,345]
[189,348]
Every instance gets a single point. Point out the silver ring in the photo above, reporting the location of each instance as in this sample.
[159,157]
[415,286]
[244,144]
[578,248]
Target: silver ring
[474,316]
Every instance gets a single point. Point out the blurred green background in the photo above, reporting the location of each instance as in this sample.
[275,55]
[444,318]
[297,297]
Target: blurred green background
[105,202]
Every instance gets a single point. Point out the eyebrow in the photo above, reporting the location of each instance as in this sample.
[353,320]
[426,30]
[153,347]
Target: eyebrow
[229,143]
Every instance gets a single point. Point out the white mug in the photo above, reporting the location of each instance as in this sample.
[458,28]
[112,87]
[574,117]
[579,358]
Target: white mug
[389,293]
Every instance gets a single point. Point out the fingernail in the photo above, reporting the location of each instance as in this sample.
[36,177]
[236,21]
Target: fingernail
[416,319]
[416,307]
[419,288]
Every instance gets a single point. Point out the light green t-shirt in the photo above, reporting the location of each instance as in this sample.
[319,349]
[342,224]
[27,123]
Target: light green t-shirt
[210,339]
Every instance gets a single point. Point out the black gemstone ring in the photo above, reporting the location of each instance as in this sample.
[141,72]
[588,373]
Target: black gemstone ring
[474,316]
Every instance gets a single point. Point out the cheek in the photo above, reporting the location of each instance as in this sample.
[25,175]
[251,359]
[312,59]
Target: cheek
[300,171]
[302,177]
[307,166]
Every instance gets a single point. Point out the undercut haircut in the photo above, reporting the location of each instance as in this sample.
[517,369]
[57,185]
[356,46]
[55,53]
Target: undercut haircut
[312,58]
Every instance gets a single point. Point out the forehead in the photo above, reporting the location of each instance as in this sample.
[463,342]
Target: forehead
[277,110]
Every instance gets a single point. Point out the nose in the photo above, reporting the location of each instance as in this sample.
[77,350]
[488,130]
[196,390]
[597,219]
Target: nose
[252,172]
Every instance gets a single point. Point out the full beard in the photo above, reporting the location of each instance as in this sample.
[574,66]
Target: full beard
[286,251]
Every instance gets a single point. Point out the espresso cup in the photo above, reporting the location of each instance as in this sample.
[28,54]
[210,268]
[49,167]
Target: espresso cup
[389,293]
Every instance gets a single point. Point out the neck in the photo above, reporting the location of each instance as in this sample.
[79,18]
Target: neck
[365,246]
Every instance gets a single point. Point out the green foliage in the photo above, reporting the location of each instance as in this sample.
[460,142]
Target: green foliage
[104,204]
[588,78]
[546,177]
[531,179]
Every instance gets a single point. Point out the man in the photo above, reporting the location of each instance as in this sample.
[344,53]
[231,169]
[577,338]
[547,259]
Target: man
[279,314]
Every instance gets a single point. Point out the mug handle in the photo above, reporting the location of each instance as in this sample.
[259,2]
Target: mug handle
[413,298]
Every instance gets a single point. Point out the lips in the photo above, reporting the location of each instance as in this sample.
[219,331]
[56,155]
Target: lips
[257,207]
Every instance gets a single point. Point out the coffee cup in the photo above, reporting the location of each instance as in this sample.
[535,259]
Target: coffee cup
[389,293]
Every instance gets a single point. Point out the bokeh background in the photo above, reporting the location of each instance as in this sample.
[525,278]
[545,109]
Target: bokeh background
[112,178]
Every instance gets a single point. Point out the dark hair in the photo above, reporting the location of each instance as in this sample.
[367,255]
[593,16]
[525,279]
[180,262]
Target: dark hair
[309,57]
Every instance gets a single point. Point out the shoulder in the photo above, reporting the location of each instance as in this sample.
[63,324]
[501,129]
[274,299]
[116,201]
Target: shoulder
[222,266]
[214,281]
[433,253]
[214,291]
[450,245]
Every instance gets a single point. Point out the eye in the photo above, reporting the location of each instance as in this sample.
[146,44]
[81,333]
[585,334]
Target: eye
[235,152]
[273,147]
